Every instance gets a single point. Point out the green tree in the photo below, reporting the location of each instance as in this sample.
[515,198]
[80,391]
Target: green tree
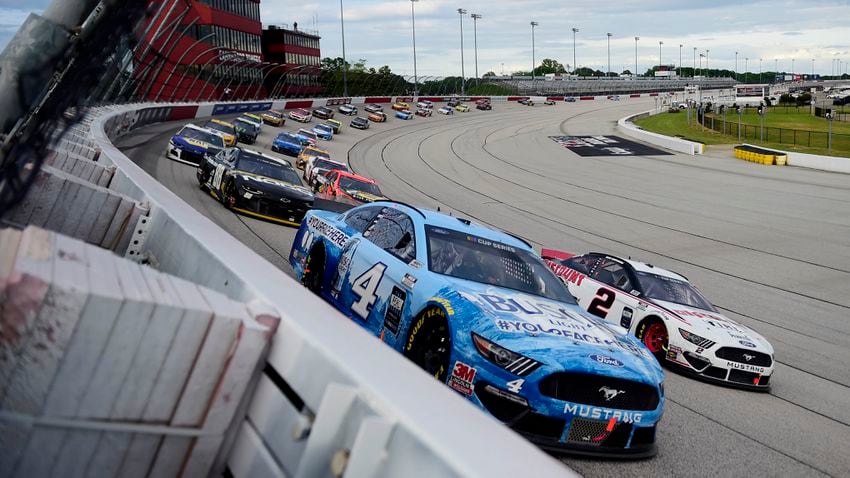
[332,64]
[549,65]
[489,73]
[385,71]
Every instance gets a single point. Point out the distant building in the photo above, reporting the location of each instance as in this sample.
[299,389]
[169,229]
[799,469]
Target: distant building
[666,71]
[299,53]
[196,49]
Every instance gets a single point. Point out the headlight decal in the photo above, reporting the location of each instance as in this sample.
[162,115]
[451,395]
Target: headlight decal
[511,361]
[696,339]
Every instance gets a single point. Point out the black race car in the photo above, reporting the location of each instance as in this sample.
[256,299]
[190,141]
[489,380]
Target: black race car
[256,184]
[360,123]
[246,131]
[323,113]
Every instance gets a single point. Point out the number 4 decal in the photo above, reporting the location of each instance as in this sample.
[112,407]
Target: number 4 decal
[600,304]
[515,385]
[364,287]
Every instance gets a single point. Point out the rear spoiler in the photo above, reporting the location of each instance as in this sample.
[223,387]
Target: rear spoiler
[554,254]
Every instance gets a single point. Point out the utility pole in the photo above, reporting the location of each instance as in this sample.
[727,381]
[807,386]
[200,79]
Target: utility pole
[636,55]
[659,54]
[694,68]
[680,60]
[344,62]
[475,18]
[609,55]
[415,76]
[533,61]
[575,65]
[461,12]
[736,66]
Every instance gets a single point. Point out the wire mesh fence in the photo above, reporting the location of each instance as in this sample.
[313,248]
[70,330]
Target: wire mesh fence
[729,125]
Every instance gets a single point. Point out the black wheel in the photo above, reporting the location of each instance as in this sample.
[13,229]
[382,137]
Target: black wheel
[201,179]
[429,344]
[314,270]
[228,194]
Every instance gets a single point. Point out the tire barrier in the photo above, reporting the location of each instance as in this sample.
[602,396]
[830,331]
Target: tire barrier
[760,155]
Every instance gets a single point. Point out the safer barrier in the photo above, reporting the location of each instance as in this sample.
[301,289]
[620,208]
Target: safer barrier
[628,128]
[760,155]
[330,393]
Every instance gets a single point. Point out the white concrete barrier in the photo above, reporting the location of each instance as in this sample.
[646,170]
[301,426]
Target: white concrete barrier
[330,393]
[814,161]
[628,128]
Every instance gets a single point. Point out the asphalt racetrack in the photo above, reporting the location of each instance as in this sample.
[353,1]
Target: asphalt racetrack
[770,246]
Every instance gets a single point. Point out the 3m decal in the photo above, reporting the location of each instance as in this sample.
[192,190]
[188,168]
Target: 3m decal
[601,304]
[462,377]
[395,307]
[364,288]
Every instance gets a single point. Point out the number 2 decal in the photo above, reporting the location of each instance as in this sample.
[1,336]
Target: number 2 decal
[364,287]
[601,304]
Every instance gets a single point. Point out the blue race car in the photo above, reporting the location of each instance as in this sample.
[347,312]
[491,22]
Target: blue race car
[287,143]
[324,131]
[192,143]
[404,114]
[478,310]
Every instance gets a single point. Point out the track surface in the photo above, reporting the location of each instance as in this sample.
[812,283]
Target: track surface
[770,246]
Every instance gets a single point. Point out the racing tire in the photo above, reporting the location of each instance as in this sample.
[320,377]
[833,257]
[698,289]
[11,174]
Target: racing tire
[314,270]
[429,343]
[653,334]
[228,194]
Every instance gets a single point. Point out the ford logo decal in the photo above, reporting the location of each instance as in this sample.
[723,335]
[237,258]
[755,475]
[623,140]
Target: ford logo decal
[606,360]
[747,344]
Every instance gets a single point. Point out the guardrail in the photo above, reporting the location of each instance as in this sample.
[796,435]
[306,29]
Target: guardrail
[332,399]
[627,127]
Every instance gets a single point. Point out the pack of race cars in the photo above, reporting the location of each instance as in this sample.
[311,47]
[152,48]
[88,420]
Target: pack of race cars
[563,348]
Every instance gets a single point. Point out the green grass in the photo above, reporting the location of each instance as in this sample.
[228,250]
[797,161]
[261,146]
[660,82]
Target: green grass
[676,124]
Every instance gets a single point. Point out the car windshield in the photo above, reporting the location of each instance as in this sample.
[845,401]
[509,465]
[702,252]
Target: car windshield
[219,127]
[360,119]
[462,255]
[672,290]
[256,164]
[326,164]
[204,136]
[249,119]
[239,123]
[324,127]
[291,138]
[274,114]
[347,183]
[307,134]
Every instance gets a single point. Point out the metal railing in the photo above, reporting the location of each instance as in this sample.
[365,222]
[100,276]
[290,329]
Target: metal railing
[774,135]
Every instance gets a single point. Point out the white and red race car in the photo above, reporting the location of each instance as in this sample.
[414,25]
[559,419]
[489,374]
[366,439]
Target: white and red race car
[672,318]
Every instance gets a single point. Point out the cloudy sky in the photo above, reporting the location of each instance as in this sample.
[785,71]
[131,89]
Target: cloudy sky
[380,32]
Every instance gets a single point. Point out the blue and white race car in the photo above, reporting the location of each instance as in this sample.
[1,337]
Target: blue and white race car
[404,114]
[324,131]
[192,143]
[478,310]
[287,143]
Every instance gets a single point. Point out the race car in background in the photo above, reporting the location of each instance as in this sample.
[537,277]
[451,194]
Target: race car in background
[463,108]
[425,104]
[378,117]
[359,123]
[254,119]
[669,315]
[287,143]
[373,108]
[404,115]
[310,152]
[483,105]
[549,102]
[318,166]
[479,311]
[323,131]
[301,115]
[223,128]
[256,184]
[246,131]
[323,112]
[348,110]
[346,187]
[192,143]
[273,118]
[307,136]
[336,125]
[446,110]
[424,112]
[401,106]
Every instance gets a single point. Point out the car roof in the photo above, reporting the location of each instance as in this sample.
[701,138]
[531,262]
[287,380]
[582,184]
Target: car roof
[305,130]
[646,267]
[459,224]
[356,176]
[200,128]
[221,122]
[281,161]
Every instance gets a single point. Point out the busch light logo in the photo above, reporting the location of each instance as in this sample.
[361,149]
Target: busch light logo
[606,360]
[747,344]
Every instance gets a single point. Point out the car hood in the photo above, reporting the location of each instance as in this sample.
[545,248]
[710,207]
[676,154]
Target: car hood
[717,327]
[275,186]
[555,333]
[192,144]
[364,196]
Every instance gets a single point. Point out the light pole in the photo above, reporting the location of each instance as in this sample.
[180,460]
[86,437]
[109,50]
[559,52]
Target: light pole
[813,68]
[575,30]
[776,65]
[461,12]
[694,68]
[792,69]
[680,59]
[475,18]
[344,62]
[706,62]
[609,54]
[736,66]
[636,64]
[533,24]
[760,60]
[413,21]
[746,69]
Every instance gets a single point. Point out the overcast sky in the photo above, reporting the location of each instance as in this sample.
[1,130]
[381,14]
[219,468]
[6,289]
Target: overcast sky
[380,32]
